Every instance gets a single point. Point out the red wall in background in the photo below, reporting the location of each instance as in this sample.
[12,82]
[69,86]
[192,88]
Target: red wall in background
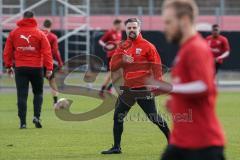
[228,23]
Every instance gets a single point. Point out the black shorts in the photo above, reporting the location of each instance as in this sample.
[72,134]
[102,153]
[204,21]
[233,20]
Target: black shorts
[217,67]
[55,69]
[24,75]
[209,153]
[108,63]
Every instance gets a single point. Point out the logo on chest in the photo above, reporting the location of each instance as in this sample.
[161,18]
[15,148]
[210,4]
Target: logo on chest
[138,51]
[218,42]
[114,37]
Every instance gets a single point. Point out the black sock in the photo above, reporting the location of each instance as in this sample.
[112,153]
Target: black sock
[120,112]
[117,132]
[55,99]
[166,132]
[23,121]
[37,101]
[109,86]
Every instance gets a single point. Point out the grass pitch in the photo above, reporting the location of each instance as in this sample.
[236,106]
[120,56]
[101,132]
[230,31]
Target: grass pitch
[60,140]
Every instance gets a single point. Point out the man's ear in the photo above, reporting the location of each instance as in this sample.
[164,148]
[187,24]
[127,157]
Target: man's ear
[183,21]
[139,30]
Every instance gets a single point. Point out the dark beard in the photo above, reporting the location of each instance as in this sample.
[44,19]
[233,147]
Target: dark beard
[177,38]
[215,35]
[132,35]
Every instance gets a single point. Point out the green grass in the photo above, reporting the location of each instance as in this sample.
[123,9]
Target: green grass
[60,140]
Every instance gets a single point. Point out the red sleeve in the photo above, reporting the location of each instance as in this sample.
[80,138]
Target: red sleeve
[56,52]
[199,66]
[106,36]
[8,54]
[155,60]
[116,60]
[226,46]
[46,52]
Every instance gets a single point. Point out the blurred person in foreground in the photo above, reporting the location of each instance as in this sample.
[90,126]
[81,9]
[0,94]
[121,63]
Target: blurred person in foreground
[199,135]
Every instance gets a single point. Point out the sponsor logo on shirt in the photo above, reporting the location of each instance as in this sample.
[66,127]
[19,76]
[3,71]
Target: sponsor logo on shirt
[138,51]
[215,50]
[27,48]
[26,38]
[218,42]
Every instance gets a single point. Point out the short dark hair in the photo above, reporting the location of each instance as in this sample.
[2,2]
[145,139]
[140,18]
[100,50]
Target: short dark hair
[215,26]
[28,14]
[183,8]
[132,20]
[47,23]
[117,21]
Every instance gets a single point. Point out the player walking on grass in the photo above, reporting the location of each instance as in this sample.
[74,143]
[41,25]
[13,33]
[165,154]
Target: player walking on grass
[136,63]
[193,88]
[53,40]
[28,49]
[112,36]
[219,45]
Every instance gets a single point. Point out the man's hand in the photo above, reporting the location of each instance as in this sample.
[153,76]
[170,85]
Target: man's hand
[10,71]
[127,59]
[60,69]
[217,59]
[48,74]
[110,46]
[224,55]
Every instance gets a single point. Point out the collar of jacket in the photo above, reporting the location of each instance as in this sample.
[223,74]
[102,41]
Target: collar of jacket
[27,22]
[45,31]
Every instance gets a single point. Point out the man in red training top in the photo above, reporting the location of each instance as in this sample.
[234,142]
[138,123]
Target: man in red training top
[28,49]
[136,63]
[199,135]
[113,35]
[53,40]
[219,45]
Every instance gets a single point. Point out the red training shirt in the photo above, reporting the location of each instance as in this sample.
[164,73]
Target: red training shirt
[195,123]
[111,36]
[146,63]
[218,45]
[53,40]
